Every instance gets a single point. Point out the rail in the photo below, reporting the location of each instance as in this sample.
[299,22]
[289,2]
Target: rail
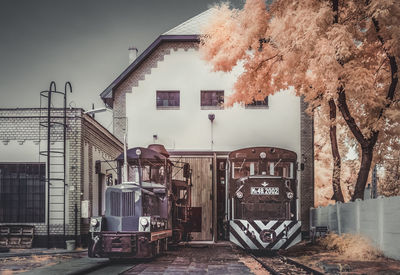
[279,265]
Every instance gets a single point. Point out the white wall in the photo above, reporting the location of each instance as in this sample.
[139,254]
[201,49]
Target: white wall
[14,152]
[189,128]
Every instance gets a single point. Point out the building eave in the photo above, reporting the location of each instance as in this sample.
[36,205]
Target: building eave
[108,96]
[90,120]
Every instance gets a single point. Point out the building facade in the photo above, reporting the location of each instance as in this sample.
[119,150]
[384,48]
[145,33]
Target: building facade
[58,211]
[169,95]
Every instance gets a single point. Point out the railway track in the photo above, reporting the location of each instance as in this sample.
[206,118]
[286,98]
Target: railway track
[107,268]
[279,265]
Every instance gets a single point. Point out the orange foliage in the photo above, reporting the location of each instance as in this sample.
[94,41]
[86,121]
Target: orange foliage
[308,45]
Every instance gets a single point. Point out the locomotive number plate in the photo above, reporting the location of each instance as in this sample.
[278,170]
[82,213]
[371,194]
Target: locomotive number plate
[264,191]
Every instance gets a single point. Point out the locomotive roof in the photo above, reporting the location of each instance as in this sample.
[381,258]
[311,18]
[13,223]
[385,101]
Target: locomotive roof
[146,154]
[271,153]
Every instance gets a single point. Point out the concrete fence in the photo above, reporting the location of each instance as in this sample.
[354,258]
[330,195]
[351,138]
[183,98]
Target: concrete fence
[378,219]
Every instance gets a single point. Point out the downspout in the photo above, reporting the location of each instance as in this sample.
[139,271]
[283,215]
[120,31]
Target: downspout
[125,168]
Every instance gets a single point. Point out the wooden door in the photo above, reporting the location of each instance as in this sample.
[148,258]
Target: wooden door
[201,193]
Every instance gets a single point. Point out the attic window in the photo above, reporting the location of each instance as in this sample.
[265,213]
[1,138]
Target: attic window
[258,104]
[168,99]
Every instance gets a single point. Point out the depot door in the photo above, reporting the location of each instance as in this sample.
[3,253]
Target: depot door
[201,193]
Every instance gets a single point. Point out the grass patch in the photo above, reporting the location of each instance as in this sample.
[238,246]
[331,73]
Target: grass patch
[351,246]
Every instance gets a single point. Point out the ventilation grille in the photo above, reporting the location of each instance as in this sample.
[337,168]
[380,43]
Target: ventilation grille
[115,198]
[128,204]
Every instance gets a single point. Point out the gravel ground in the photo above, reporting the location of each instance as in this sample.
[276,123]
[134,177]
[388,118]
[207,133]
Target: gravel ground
[15,265]
[315,255]
[331,262]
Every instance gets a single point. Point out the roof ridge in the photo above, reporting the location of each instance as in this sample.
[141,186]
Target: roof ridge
[191,20]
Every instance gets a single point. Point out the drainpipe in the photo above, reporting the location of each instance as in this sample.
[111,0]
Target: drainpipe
[211,117]
[125,168]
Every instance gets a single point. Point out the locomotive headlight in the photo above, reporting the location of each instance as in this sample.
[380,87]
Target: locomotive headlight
[239,194]
[289,195]
[94,222]
[144,222]
[263,155]
[138,152]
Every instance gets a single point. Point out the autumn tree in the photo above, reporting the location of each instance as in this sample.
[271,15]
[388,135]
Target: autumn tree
[335,53]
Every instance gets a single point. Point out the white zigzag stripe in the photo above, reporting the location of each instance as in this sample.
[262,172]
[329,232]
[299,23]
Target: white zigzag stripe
[290,233]
[268,226]
[241,234]
[257,234]
[234,240]
[251,243]
[298,237]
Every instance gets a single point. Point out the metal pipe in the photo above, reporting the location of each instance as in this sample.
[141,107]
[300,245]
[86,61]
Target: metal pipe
[76,222]
[48,159]
[67,84]
[125,167]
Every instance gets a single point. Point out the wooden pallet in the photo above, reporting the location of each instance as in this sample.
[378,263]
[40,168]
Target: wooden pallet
[16,236]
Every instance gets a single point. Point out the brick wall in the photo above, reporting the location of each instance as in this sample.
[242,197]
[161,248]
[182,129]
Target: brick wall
[23,124]
[106,146]
[119,113]
[307,176]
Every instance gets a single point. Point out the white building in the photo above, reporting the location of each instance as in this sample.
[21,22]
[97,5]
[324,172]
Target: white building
[169,95]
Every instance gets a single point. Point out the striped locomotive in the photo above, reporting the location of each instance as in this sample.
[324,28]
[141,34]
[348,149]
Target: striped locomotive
[261,193]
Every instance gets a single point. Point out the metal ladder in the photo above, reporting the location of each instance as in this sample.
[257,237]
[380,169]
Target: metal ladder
[54,121]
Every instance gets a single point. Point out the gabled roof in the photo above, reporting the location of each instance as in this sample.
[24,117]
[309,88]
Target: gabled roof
[188,31]
[193,25]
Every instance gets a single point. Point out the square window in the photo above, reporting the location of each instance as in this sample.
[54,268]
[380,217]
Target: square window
[258,104]
[168,99]
[212,99]
[21,192]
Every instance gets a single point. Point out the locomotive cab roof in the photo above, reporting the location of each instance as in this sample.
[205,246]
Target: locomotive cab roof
[136,153]
[270,153]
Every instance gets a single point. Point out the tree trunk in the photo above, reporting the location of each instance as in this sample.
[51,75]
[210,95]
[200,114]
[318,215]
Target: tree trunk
[337,191]
[367,146]
[366,160]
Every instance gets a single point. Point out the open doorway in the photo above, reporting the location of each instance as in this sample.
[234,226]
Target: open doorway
[221,181]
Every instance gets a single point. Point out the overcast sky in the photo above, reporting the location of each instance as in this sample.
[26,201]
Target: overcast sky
[82,41]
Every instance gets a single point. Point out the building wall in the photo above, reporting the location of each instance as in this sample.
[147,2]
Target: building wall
[97,145]
[21,139]
[189,127]
[178,66]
